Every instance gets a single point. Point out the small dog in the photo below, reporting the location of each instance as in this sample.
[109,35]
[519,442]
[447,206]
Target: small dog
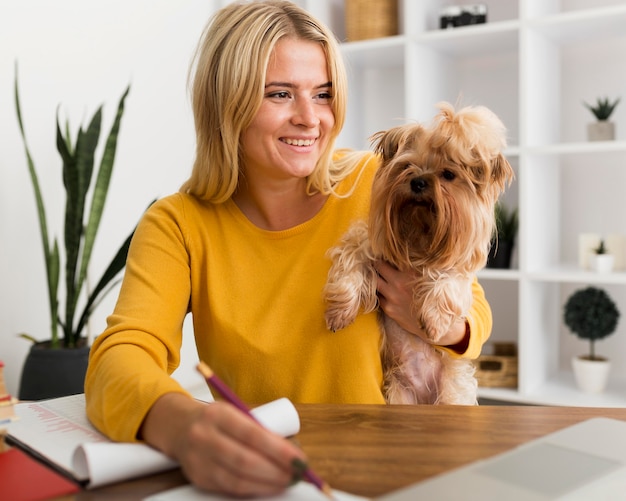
[432,215]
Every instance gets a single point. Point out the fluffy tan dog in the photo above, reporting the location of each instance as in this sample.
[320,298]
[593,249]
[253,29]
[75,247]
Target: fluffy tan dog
[432,215]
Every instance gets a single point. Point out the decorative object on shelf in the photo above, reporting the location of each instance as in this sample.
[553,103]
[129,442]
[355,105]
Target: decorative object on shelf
[602,129]
[47,370]
[367,19]
[498,369]
[501,250]
[591,315]
[462,15]
[614,244]
[601,260]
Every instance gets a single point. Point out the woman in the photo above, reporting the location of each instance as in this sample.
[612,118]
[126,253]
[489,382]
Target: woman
[242,248]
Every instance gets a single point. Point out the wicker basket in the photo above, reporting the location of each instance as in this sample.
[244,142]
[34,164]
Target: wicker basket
[498,370]
[371,19]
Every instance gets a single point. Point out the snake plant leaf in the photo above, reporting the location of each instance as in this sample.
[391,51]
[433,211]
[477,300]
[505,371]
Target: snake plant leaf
[100,192]
[54,268]
[77,174]
[50,259]
[115,266]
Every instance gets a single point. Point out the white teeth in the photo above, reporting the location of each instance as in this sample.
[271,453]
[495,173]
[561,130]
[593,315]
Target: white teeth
[299,142]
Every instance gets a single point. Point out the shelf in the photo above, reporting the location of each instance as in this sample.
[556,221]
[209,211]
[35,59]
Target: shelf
[579,26]
[590,147]
[376,52]
[561,390]
[574,274]
[474,40]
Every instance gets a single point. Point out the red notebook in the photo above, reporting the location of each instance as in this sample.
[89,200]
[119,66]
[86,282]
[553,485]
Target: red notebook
[23,478]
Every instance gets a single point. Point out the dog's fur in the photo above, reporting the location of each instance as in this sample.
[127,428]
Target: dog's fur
[432,215]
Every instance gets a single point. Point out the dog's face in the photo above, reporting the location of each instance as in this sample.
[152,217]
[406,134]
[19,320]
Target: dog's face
[433,196]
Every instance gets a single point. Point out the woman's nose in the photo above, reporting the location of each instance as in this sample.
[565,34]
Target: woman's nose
[304,113]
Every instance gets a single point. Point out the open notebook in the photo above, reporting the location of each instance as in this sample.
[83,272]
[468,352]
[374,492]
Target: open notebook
[58,432]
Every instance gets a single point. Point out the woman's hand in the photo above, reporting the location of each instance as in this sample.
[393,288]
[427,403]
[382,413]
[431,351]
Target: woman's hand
[395,295]
[221,449]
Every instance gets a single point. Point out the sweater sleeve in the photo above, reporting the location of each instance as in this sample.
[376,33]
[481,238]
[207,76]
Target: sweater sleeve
[131,361]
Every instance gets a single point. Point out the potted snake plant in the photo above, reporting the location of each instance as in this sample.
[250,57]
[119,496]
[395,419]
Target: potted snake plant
[56,365]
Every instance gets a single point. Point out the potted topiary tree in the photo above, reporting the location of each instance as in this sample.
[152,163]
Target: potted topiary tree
[56,366]
[591,315]
[602,129]
[502,243]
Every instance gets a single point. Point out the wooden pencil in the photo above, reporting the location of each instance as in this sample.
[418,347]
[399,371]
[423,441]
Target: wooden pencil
[227,394]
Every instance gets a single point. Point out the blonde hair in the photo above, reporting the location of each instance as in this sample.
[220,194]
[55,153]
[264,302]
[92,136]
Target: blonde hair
[227,90]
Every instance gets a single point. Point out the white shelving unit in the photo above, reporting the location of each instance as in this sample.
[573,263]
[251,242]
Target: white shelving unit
[533,63]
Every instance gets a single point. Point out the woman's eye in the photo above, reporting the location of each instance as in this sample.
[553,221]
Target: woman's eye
[279,95]
[324,97]
[448,175]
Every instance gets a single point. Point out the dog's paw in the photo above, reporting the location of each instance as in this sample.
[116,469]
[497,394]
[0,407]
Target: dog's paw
[338,318]
[436,328]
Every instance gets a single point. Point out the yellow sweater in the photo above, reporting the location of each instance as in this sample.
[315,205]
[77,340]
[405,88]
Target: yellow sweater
[258,313]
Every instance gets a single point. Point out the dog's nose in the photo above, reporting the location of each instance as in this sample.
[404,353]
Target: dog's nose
[418,184]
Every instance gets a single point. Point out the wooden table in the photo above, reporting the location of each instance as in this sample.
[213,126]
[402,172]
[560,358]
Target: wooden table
[371,450]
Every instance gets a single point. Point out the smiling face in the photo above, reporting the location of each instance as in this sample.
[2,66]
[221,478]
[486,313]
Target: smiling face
[292,127]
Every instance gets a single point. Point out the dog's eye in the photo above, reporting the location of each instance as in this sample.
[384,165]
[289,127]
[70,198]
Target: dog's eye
[448,175]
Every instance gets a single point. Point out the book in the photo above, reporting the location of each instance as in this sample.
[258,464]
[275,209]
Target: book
[58,432]
[23,478]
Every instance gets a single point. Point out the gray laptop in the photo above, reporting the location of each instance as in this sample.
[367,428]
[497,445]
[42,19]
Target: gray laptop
[586,461]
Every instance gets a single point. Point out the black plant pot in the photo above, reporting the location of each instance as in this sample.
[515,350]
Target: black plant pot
[51,373]
[500,254]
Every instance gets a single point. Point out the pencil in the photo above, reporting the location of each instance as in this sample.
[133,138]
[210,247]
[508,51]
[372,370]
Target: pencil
[227,394]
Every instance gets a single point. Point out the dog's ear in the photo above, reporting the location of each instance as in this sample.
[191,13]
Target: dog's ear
[502,174]
[388,142]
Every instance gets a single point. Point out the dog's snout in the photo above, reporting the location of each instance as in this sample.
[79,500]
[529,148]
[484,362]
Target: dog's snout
[418,184]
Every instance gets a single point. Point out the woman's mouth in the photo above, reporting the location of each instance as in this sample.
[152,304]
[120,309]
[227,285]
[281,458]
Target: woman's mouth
[298,142]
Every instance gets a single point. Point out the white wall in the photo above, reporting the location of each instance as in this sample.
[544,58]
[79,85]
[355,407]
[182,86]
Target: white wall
[76,55]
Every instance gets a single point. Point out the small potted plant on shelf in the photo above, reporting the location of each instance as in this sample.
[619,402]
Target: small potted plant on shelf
[601,260]
[502,243]
[602,129]
[591,315]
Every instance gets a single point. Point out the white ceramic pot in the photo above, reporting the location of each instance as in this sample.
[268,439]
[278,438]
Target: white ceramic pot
[601,131]
[591,375]
[602,263]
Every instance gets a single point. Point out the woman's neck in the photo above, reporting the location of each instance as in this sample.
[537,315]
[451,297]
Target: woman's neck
[278,208]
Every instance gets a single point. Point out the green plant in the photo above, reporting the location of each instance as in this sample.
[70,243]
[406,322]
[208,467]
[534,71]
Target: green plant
[591,314]
[507,222]
[601,248]
[79,233]
[603,109]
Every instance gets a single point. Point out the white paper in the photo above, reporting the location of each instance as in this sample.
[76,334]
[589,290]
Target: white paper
[300,492]
[58,430]
[109,462]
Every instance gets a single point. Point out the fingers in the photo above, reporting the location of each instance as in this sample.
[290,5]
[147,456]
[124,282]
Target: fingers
[228,452]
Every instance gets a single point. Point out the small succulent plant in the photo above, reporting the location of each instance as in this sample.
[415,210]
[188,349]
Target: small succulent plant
[603,108]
